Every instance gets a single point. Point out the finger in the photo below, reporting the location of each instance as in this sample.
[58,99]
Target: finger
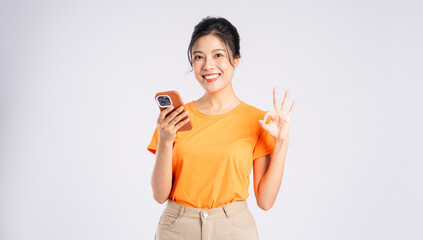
[268,114]
[178,118]
[180,124]
[276,99]
[264,125]
[172,115]
[291,110]
[285,101]
[163,113]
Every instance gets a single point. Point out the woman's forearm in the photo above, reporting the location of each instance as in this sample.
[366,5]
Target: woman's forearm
[269,186]
[161,179]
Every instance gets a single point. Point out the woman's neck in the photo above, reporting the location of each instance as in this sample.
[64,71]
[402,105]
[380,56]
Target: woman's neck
[218,102]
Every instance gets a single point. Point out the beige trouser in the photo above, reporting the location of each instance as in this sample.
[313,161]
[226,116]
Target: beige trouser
[230,222]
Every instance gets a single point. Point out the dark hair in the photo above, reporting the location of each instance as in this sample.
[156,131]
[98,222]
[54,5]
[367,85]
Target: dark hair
[221,28]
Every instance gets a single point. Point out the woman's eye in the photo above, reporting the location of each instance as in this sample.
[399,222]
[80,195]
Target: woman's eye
[219,55]
[197,57]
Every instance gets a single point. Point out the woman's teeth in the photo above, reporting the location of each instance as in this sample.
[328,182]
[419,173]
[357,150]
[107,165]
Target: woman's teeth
[211,76]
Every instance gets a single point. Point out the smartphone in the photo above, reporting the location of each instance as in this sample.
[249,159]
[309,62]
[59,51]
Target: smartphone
[169,98]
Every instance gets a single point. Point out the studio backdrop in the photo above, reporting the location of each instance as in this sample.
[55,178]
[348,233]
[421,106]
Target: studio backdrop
[77,111]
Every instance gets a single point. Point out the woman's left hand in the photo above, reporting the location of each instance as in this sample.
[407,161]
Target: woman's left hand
[278,127]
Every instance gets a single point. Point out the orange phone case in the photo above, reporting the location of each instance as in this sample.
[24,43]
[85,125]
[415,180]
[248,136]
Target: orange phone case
[176,100]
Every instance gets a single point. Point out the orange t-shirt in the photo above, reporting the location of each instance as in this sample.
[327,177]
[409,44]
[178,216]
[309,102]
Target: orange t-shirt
[212,162]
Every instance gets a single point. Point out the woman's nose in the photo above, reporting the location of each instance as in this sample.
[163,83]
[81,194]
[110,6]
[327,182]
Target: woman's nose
[208,64]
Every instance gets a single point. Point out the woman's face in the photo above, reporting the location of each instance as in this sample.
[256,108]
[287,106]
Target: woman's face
[211,64]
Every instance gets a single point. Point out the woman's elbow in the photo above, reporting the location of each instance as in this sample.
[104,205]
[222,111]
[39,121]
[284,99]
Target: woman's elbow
[160,198]
[265,205]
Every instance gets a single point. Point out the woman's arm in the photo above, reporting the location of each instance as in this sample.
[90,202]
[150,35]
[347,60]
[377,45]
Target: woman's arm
[161,179]
[268,170]
[268,173]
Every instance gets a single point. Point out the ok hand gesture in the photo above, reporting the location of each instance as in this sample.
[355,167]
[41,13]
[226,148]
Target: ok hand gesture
[278,127]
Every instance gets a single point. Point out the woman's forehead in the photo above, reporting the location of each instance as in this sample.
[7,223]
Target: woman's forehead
[208,43]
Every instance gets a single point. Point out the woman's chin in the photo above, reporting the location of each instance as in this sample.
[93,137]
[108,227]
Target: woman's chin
[211,89]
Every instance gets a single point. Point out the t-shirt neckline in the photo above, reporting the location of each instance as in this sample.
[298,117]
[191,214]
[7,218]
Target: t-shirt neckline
[204,115]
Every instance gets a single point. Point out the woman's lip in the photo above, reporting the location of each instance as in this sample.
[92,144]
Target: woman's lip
[211,80]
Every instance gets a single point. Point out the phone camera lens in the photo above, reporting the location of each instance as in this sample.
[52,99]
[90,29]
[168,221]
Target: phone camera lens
[162,103]
[167,100]
[160,98]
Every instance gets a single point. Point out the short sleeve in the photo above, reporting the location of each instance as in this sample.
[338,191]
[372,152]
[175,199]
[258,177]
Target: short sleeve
[152,147]
[264,145]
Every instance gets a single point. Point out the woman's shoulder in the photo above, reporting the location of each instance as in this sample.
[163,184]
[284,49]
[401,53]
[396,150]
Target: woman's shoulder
[251,109]
[188,104]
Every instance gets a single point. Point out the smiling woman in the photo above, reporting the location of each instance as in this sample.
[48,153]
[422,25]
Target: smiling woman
[203,173]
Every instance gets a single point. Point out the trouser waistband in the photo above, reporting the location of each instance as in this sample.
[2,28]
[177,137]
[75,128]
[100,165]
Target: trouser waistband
[191,212]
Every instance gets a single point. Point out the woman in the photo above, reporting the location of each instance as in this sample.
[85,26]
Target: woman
[203,173]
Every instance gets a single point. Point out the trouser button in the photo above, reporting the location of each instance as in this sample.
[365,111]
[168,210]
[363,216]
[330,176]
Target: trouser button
[205,214]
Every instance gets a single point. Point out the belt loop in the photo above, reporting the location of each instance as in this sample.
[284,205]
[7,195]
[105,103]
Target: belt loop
[181,211]
[225,210]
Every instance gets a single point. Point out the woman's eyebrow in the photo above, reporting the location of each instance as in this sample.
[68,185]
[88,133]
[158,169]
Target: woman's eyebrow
[218,49]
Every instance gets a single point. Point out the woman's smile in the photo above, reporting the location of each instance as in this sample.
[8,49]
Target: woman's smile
[211,77]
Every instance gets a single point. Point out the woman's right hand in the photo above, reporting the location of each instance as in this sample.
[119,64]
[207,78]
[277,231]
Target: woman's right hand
[169,125]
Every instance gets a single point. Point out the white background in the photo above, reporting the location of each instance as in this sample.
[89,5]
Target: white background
[77,113]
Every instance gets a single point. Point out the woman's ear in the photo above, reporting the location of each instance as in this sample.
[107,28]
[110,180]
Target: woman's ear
[236,62]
